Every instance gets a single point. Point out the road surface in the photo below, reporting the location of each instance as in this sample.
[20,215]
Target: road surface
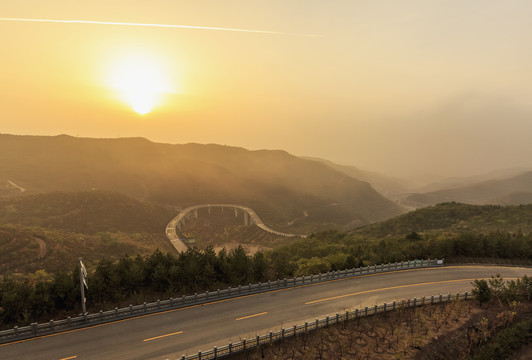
[170,334]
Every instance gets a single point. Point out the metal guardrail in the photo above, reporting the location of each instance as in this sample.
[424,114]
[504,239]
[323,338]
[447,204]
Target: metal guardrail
[36,329]
[272,337]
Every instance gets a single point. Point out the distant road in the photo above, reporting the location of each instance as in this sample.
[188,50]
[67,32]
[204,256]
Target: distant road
[180,246]
[16,186]
[170,334]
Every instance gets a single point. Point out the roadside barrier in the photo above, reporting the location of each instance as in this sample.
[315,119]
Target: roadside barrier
[53,326]
[272,337]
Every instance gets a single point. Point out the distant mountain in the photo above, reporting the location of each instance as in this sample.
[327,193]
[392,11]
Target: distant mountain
[286,191]
[386,185]
[458,182]
[514,190]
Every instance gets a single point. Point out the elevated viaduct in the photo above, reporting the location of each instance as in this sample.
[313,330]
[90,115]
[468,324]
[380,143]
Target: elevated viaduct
[250,218]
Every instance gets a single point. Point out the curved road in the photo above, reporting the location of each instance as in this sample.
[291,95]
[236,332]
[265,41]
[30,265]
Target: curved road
[170,334]
[181,246]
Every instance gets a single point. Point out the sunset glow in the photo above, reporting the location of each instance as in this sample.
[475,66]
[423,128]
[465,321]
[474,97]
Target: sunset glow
[381,85]
[140,82]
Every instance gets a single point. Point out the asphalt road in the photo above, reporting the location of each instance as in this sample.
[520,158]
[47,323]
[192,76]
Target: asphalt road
[170,334]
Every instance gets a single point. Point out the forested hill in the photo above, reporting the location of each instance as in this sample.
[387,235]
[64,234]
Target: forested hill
[289,193]
[454,217]
[87,212]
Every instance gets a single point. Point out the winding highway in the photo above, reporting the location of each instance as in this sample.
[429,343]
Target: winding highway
[170,334]
[180,246]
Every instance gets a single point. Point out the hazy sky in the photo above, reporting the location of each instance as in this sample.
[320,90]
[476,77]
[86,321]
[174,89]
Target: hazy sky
[400,87]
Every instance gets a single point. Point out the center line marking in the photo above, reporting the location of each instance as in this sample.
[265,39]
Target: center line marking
[393,287]
[163,336]
[68,358]
[250,316]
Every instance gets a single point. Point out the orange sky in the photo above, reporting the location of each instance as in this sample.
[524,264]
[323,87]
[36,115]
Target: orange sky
[399,87]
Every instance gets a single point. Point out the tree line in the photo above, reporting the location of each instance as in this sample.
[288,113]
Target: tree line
[142,278]
[162,275]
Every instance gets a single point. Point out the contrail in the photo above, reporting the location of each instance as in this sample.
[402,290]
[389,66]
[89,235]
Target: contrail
[159,25]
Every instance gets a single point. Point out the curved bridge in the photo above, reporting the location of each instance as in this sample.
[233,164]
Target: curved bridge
[250,218]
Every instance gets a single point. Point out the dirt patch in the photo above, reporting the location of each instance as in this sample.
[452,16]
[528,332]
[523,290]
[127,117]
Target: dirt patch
[42,248]
[251,249]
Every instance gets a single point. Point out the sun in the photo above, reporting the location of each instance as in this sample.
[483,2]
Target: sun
[140,82]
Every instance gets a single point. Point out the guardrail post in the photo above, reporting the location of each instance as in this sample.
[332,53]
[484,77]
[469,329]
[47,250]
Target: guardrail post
[271,337]
[457,296]
[327,321]
[259,285]
[230,348]
[394,305]
[207,295]
[306,326]
[295,329]
[282,333]
[195,297]
[158,304]
[131,308]
[34,328]
[366,311]
[285,282]
[199,355]
[171,301]
[244,344]
[215,352]
[52,324]
[69,320]
[317,323]
[441,298]
[432,299]
[347,316]
[258,340]
[319,277]
[184,299]
[116,311]
[217,292]
[295,281]
[249,288]
[337,318]
[449,297]
[415,300]
[183,357]
[356,313]
[101,315]
[384,307]
[16,330]
[376,309]
[465,295]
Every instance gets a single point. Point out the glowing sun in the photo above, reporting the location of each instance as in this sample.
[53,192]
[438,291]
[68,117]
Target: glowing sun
[140,82]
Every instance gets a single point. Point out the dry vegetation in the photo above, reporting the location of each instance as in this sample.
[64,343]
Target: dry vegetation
[445,331]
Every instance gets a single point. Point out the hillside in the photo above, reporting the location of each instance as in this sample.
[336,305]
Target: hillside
[50,231]
[288,192]
[28,249]
[514,190]
[88,212]
[456,217]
